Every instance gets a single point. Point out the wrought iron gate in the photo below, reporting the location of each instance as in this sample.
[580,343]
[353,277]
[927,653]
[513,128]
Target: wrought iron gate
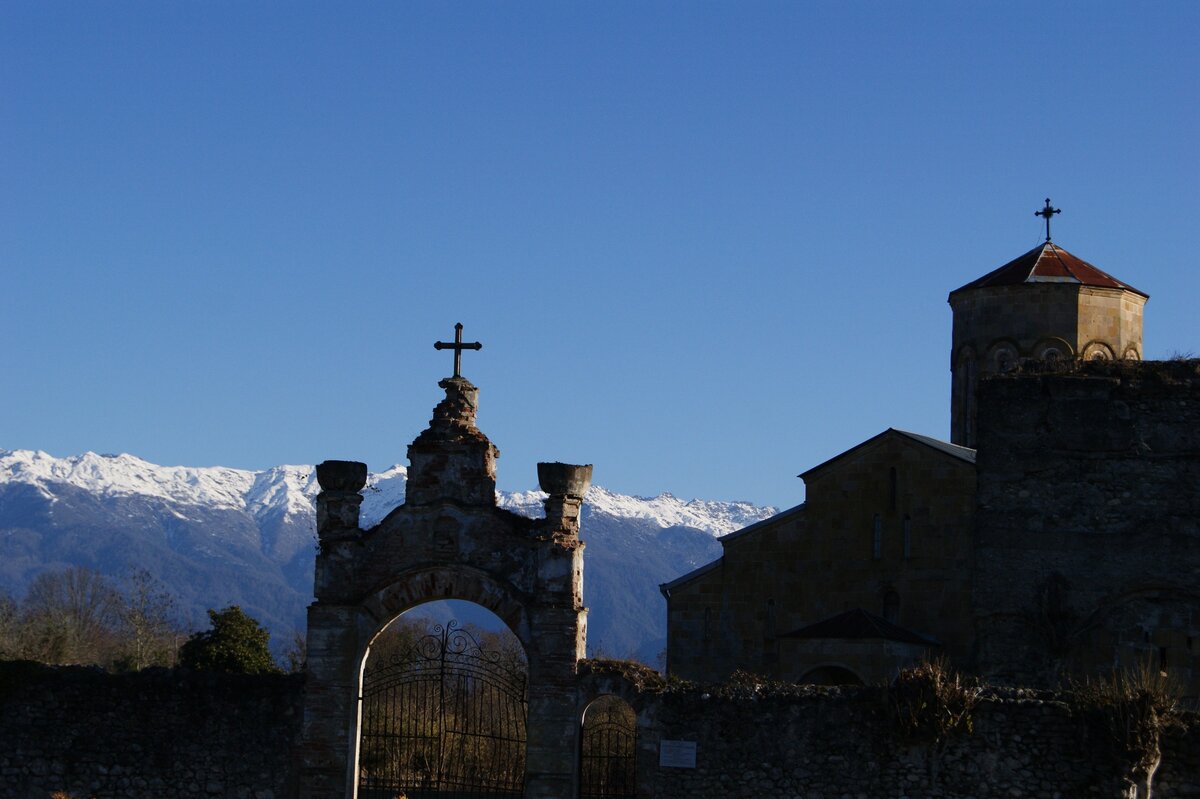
[607,743]
[443,719]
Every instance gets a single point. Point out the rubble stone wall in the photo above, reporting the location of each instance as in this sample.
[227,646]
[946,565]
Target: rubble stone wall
[840,743]
[1088,521]
[169,733]
[157,733]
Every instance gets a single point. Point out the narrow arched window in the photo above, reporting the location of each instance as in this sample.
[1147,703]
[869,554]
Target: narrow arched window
[892,481]
[907,538]
[969,404]
[877,538]
[891,607]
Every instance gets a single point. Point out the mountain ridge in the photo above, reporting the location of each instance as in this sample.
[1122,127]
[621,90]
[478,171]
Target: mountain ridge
[218,535]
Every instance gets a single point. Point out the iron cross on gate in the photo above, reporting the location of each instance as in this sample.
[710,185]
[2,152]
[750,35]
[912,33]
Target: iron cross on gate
[1048,212]
[458,346]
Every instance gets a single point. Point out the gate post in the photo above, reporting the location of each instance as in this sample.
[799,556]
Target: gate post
[553,727]
[332,649]
[559,629]
[330,704]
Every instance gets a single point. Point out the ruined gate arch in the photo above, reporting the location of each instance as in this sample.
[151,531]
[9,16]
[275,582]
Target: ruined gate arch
[430,583]
[448,540]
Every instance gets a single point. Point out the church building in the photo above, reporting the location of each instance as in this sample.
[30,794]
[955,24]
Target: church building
[1041,539]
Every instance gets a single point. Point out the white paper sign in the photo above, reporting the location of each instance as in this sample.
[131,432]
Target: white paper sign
[677,754]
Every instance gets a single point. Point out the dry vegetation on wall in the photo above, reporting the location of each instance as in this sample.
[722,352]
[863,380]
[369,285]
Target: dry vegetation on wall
[1129,712]
[642,677]
[932,701]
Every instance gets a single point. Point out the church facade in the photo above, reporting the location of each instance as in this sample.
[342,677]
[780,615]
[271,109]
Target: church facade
[1058,531]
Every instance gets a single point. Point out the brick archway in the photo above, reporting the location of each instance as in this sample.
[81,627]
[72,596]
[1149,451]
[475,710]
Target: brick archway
[447,541]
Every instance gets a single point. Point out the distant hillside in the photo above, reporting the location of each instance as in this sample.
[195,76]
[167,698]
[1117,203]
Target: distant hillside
[220,536]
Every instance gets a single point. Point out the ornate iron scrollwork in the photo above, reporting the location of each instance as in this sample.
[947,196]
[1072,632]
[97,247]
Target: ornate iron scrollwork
[443,717]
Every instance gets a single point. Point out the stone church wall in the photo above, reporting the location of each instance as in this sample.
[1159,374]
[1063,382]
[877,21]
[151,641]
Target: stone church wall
[820,559]
[723,619]
[1088,521]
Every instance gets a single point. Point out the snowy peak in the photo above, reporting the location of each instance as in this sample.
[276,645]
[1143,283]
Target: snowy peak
[383,494]
[127,475]
[281,491]
[222,536]
[713,517]
[289,491]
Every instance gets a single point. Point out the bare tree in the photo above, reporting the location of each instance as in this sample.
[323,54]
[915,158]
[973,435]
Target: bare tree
[295,655]
[69,617]
[150,630]
[9,628]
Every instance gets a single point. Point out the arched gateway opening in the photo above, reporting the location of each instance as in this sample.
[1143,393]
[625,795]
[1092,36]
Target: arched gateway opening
[608,749]
[395,722]
[443,707]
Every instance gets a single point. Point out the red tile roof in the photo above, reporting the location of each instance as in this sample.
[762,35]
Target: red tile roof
[1048,263]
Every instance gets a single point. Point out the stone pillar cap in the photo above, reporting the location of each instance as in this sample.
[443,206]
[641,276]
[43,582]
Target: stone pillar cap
[564,479]
[342,475]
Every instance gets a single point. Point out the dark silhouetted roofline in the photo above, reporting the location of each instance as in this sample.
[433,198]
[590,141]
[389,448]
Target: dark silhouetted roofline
[965,454]
[778,517]
[666,588]
[858,624]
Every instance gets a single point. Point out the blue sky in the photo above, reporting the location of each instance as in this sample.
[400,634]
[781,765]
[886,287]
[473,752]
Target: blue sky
[706,245]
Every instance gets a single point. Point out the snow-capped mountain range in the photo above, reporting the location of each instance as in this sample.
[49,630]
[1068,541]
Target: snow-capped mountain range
[218,536]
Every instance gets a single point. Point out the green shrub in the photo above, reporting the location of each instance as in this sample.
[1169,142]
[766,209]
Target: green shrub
[236,643]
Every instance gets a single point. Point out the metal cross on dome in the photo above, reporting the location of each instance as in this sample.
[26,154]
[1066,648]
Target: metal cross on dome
[1048,212]
[458,346]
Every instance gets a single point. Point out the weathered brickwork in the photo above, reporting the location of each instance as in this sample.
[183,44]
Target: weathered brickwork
[147,735]
[1089,520]
[887,527]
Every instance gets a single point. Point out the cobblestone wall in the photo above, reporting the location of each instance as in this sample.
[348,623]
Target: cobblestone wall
[170,734]
[825,743]
[155,733]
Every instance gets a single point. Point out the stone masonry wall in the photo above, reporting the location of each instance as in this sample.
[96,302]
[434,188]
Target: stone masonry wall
[164,733]
[838,743]
[818,560]
[759,738]
[151,734]
[1088,521]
